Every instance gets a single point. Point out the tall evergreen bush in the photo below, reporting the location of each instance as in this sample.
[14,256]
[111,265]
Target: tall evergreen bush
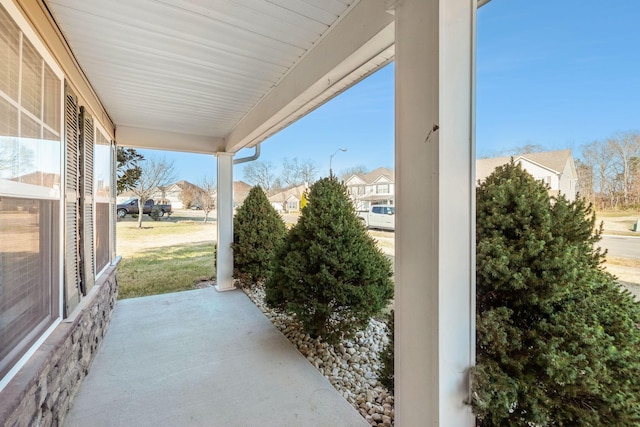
[558,341]
[257,231]
[329,271]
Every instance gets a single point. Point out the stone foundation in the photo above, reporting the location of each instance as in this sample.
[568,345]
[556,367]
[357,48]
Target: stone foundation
[42,391]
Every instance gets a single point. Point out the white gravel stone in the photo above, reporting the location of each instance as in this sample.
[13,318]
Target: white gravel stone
[351,366]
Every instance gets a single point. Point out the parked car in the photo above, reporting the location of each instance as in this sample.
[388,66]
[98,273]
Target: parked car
[379,216]
[131,207]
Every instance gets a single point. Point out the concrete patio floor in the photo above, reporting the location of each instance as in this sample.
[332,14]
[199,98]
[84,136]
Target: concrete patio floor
[203,358]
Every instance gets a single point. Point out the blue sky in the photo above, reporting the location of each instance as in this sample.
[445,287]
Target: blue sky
[559,74]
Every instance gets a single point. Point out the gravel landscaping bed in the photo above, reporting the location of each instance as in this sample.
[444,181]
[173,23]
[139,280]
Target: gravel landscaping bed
[351,366]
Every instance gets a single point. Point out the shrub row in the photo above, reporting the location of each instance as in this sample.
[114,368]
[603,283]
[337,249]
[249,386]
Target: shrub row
[326,270]
[558,340]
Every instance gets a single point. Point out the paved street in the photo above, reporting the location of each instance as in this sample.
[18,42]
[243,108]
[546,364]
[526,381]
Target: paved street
[622,246]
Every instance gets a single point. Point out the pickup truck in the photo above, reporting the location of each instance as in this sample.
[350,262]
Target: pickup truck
[379,216]
[131,207]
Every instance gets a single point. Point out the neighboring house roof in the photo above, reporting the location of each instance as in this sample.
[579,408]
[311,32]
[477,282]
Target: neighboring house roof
[44,179]
[241,186]
[183,185]
[355,180]
[179,186]
[288,193]
[375,176]
[555,161]
[240,191]
[485,167]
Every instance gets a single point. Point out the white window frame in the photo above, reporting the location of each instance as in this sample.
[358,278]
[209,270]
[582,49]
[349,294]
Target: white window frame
[98,128]
[33,191]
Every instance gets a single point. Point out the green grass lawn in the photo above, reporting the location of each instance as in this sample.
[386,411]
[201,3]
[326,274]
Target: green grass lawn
[625,262]
[167,269]
[616,214]
[618,222]
[164,256]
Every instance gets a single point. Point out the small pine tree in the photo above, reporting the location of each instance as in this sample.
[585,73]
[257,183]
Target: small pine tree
[257,231]
[329,271]
[386,373]
[558,341]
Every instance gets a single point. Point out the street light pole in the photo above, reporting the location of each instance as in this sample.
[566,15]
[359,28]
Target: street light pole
[331,158]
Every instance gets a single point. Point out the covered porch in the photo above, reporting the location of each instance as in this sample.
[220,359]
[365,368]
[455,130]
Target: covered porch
[219,77]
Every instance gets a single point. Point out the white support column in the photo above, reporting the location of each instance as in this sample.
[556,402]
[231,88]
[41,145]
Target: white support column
[224,259]
[435,227]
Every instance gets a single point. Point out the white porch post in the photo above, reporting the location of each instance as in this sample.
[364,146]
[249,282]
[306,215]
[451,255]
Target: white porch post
[435,225]
[224,259]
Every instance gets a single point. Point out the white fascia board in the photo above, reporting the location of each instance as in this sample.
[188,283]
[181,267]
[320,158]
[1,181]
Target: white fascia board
[363,35]
[127,136]
[382,179]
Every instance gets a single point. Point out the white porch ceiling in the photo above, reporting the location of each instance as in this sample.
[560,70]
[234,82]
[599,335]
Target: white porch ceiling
[218,75]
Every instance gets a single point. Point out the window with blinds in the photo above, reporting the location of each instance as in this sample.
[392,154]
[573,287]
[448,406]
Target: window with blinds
[28,274]
[30,193]
[29,115]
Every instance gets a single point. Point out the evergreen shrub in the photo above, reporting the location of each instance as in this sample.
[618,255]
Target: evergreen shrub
[558,340]
[329,271]
[257,230]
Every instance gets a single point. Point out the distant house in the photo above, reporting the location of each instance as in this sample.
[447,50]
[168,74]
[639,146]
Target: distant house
[555,168]
[288,200]
[373,188]
[43,179]
[173,193]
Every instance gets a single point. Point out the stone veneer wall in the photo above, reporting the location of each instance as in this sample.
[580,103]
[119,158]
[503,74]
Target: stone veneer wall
[42,391]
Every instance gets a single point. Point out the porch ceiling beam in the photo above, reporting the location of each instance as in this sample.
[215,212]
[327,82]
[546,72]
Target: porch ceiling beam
[127,136]
[358,45]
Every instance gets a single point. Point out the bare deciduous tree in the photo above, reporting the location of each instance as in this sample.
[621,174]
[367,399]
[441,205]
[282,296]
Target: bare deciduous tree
[353,170]
[308,171]
[15,159]
[614,168]
[527,148]
[188,196]
[624,147]
[596,157]
[206,197]
[156,174]
[297,172]
[260,173]
[585,181]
